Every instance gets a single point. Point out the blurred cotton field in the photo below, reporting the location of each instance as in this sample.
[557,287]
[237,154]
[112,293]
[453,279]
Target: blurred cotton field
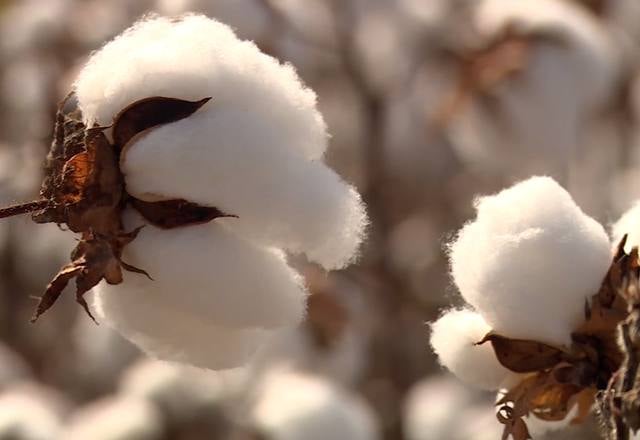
[422,105]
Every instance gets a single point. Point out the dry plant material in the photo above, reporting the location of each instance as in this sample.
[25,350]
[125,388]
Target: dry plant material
[596,368]
[84,190]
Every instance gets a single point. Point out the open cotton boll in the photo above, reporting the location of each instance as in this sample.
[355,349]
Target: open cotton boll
[590,49]
[530,260]
[116,418]
[213,274]
[568,76]
[628,223]
[197,57]
[280,199]
[168,333]
[295,406]
[453,338]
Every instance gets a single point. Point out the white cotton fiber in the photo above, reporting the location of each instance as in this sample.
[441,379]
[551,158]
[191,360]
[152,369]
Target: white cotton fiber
[628,223]
[280,199]
[530,260]
[253,151]
[296,406]
[453,338]
[213,274]
[166,333]
[195,57]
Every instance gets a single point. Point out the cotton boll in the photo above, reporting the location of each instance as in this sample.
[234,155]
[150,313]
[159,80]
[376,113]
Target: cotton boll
[591,51]
[530,260]
[280,199]
[453,338]
[116,418]
[294,406]
[196,57]
[210,272]
[629,224]
[542,114]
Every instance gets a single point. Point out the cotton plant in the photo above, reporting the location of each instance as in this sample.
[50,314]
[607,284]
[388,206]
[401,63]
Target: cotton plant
[546,291]
[190,163]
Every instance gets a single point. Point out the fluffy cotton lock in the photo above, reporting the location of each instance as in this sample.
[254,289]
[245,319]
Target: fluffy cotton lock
[529,261]
[255,151]
[453,338]
[629,224]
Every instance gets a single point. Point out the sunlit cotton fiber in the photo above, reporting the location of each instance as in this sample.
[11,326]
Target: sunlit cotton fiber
[254,151]
[530,260]
[454,337]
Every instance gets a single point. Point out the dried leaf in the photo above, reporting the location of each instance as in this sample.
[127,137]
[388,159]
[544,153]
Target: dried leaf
[169,214]
[151,112]
[84,189]
[524,356]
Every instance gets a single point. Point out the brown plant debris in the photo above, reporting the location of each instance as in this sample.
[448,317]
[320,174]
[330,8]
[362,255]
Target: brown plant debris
[601,366]
[83,188]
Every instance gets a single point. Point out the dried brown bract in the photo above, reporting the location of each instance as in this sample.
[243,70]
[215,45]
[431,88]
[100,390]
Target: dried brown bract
[602,361]
[84,190]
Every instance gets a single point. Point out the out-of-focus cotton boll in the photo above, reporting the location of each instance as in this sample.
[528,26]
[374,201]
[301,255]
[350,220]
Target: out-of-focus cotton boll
[253,151]
[530,260]
[432,407]
[453,338]
[629,224]
[116,418]
[30,412]
[294,406]
[590,49]
[541,114]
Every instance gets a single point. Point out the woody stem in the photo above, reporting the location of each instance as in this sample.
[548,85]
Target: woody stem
[23,208]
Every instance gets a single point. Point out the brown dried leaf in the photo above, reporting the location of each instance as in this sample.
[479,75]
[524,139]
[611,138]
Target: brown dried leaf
[169,214]
[84,189]
[151,112]
[524,356]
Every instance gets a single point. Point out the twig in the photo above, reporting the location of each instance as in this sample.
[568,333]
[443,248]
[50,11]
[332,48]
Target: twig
[23,208]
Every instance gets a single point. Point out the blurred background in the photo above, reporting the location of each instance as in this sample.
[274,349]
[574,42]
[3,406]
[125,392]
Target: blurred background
[429,102]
